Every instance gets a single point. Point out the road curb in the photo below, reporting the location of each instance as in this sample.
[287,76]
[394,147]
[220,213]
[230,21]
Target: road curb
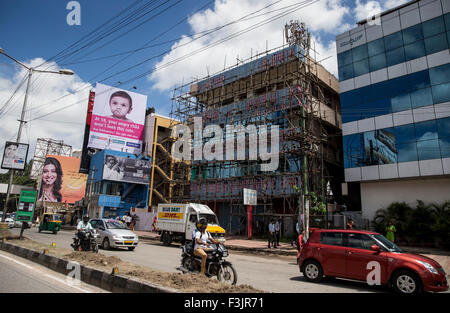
[240,248]
[89,275]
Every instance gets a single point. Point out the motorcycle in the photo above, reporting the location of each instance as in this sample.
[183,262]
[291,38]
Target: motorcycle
[89,242]
[215,265]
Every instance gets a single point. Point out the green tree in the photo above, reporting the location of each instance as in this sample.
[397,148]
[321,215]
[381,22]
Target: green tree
[399,213]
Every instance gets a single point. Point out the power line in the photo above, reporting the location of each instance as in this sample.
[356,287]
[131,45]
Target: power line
[257,25]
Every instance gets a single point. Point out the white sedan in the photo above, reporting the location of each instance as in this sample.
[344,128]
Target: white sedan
[10,222]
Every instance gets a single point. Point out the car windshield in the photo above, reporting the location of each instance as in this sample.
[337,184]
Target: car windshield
[389,245]
[212,219]
[115,225]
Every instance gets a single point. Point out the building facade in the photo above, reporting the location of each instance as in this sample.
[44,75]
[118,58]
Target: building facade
[394,76]
[112,193]
[282,87]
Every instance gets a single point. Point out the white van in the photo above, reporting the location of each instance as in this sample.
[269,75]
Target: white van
[176,222]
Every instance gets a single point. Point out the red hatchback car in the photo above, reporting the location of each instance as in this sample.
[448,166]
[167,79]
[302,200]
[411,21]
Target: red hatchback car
[368,256]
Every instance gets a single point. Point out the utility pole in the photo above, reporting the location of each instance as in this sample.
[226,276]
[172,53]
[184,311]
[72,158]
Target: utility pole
[22,119]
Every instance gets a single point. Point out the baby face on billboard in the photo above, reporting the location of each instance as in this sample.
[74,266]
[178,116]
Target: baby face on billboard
[120,104]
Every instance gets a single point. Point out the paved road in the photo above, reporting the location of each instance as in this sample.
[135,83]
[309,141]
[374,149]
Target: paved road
[269,273]
[18,275]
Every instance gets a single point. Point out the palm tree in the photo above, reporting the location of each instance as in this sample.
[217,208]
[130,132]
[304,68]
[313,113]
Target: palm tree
[399,213]
[441,225]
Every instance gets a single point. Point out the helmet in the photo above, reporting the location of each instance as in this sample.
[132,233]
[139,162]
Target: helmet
[202,223]
[86,218]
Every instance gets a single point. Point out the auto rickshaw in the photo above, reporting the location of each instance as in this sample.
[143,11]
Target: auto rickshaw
[51,222]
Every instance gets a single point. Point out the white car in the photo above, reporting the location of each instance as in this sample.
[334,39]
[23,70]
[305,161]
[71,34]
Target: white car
[114,234]
[10,222]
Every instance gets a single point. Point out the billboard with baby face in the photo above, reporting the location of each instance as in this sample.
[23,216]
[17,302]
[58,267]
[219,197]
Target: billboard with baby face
[117,121]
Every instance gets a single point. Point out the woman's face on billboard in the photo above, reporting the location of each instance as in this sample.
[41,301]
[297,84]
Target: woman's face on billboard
[49,174]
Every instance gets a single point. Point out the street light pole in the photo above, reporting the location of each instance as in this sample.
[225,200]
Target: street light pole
[22,120]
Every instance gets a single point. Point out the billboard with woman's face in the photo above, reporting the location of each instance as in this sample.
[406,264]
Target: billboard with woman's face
[117,121]
[61,181]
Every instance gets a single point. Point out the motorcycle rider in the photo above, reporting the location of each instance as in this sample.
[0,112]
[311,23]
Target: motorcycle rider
[201,242]
[82,227]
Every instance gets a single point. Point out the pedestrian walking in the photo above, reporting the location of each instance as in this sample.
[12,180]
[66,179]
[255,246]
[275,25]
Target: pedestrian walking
[390,230]
[351,224]
[277,231]
[272,239]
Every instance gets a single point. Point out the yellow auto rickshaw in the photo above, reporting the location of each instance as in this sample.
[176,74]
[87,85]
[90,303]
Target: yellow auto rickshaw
[51,222]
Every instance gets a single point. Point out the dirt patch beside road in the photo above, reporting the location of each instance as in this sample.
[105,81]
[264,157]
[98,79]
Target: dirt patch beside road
[188,283]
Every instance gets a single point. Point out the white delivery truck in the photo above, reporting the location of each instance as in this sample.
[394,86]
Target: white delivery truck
[176,222]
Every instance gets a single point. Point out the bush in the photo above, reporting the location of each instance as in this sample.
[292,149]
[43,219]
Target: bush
[425,225]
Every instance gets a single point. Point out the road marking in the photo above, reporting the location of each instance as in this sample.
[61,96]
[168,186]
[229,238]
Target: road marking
[65,283]
[48,275]
[18,262]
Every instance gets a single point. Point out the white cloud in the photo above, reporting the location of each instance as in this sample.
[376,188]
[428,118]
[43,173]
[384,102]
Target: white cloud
[364,10]
[323,18]
[67,124]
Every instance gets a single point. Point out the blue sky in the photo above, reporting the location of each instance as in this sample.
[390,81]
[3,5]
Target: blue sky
[35,31]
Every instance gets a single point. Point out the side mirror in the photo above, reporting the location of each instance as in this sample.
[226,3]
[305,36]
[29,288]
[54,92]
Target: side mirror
[375,248]
[101,228]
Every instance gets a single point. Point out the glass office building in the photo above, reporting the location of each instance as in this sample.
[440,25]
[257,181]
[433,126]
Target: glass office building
[394,75]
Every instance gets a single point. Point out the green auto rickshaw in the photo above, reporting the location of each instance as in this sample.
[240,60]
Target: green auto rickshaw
[51,222]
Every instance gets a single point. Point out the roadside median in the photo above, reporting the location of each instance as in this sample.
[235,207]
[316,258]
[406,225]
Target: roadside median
[96,269]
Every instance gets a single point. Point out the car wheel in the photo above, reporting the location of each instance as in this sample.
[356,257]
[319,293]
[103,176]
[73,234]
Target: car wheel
[106,245]
[406,282]
[312,271]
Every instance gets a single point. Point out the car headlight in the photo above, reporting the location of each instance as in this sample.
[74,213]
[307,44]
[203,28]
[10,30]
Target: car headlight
[116,237]
[428,267]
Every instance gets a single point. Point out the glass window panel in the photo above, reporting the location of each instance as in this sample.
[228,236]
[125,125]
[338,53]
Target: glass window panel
[414,50]
[421,98]
[406,152]
[395,56]
[370,149]
[441,93]
[444,145]
[443,127]
[436,43]
[377,62]
[433,27]
[440,74]
[386,152]
[418,80]
[345,58]
[393,41]
[447,21]
[352,150]
[346,72]
[349,115]
[448,38]
[412,34]
[401,102]
[404,133]
[359,53]
[426,130]
[361,68]
[398,86]
[375,47]
[428,150]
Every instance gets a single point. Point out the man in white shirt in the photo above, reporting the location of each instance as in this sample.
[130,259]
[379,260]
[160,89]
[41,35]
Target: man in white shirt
[272,238]
[201,242]
[82,227]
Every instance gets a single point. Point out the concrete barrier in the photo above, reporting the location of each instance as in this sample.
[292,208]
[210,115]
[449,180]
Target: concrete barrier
[111,282]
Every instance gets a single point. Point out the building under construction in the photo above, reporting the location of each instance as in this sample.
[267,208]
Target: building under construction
[284,87]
